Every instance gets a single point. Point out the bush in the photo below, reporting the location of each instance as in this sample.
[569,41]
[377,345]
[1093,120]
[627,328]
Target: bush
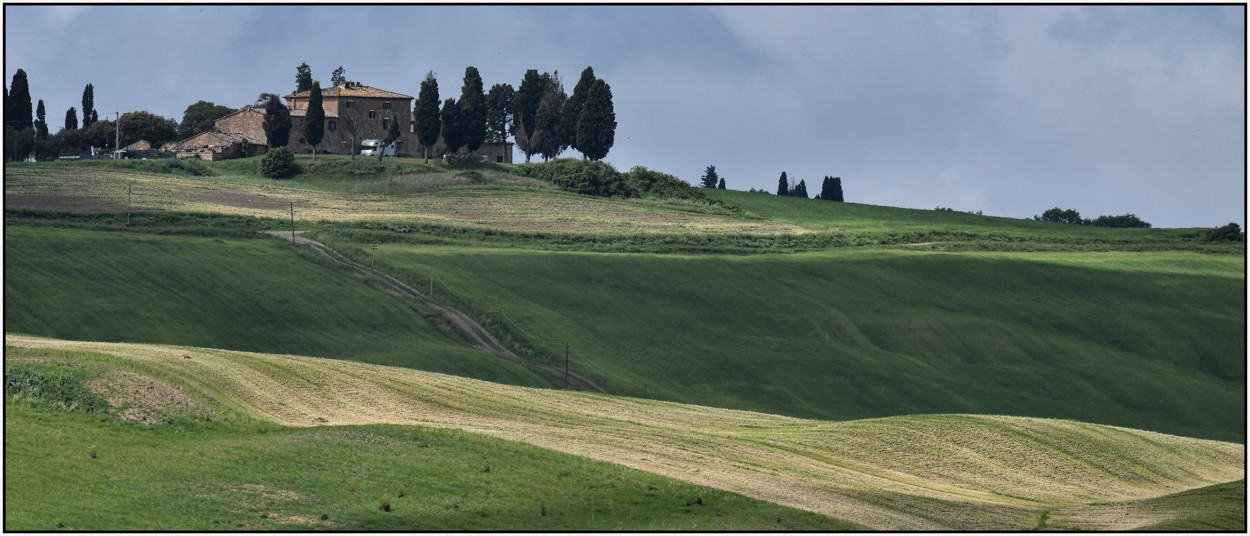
[186,166]
[658,184]
[1126,220]
[1059,215]
[580,176]
[1230,233]
[278,163]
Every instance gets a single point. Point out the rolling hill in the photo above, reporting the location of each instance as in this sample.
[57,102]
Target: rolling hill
[934,472]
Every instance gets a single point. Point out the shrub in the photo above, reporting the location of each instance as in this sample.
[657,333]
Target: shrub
[659,184]
[278,163]
[1126,220]
[1059,215]
[186,166]
[580,176]
[1230,232]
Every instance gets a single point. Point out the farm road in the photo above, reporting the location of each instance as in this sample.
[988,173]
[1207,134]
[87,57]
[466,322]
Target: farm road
[466,324]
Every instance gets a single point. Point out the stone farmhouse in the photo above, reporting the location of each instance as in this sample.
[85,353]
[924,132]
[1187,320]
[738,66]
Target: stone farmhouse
[350,107]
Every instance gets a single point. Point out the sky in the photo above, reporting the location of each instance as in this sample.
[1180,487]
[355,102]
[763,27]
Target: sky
[1008,110]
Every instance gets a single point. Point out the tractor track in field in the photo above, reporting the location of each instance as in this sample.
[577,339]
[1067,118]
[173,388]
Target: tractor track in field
[482,337]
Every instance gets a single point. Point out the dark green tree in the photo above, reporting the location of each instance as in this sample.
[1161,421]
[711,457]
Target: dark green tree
[41,121]
[314,119]
[426,115]
[1058,215]
[800,190]
[18,114]
[199,117]
[548,139]
[783,185]
[337,77]
[710,178]
[303,78]
[451,126]
[88,106]
[1230,233]
[525,110]
[277,122]
[721,184]
[100,134]
[596,124]
[71,119]
[573,108]
[831,189]
[499,102]
[472,116]
[67,141]
[135,126]
[1125,220]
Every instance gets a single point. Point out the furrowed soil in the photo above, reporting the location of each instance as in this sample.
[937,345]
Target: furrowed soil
[934,472]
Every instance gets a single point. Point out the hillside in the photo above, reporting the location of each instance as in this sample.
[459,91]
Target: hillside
[953,471]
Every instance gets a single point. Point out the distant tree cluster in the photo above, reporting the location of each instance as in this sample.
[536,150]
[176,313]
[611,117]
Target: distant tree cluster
[831,189]
[1058,215]
[1228,233]
[786,186]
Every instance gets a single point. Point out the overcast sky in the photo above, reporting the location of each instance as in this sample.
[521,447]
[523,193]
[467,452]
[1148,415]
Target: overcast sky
[1007,110]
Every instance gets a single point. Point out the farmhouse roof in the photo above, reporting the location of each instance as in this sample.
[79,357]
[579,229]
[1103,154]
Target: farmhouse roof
[352,89]
[213,138]
[245,109]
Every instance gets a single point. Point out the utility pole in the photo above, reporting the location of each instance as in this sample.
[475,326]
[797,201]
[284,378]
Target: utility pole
[292,222]
[566,365]
[117,143]
[372,257]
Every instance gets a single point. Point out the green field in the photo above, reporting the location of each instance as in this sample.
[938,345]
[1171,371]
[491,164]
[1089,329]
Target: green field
[197,475]
[1147,340]
[930,472]
[255,294]
[925,342]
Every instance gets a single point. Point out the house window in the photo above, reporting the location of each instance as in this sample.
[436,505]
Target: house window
[373,114]
[386,124]
[333,125]
[386,105]
[347,104]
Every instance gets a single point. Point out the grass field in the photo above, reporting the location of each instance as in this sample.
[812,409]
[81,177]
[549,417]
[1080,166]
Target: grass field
[195,475]
[258,295]
[1147,340]
[920,472]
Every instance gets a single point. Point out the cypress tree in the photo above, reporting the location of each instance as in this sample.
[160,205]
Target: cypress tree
[837,189]
[801,190]
[499,103]
[303,80]
[596,124]
[314,119]
[18,113]
[548,139]
[88,106]
[71,119]
[472,116]
[525,108]
[427,119]
[721,184]
[452,130]
[783,185]
[337,77]
[573,108]
[277,122]
[41,121]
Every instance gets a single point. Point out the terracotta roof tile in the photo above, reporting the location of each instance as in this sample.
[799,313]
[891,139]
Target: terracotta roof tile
[353,89]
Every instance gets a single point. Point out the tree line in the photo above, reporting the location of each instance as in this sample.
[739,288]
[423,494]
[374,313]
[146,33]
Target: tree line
[830,188]
[1058,215]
